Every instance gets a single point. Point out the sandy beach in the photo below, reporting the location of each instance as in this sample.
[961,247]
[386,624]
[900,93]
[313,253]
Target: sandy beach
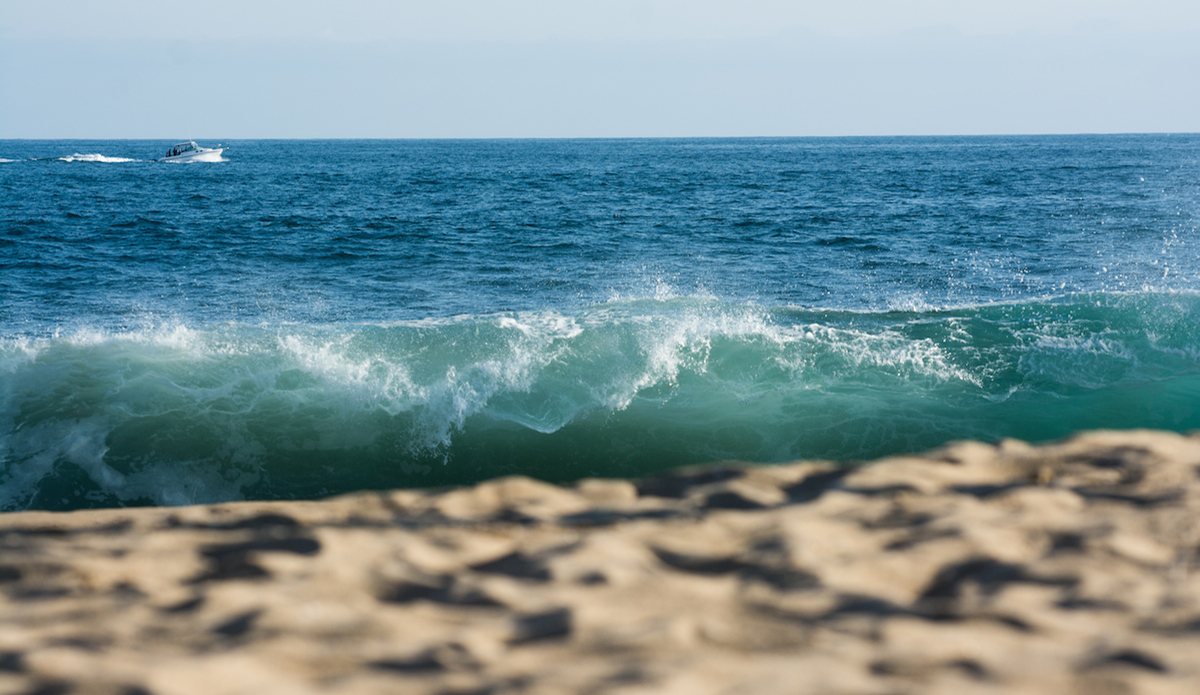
[1065,568]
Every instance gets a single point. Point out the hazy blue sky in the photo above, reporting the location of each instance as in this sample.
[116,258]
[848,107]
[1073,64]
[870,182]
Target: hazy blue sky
[537,68]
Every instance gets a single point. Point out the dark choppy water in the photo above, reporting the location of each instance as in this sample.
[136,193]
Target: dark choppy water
[311,317]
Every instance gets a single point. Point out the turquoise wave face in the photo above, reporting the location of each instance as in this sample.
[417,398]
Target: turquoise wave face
[178,414]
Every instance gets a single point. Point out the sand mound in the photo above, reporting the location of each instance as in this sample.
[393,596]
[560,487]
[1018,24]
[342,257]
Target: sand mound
[1065,568]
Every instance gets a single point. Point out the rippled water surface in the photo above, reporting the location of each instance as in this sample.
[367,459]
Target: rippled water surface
[311,317]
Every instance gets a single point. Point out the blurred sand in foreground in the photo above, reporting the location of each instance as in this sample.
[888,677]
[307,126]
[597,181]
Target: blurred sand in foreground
[1067,568]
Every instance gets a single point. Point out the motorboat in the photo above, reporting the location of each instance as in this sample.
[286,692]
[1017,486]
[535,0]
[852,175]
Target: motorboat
[191,152]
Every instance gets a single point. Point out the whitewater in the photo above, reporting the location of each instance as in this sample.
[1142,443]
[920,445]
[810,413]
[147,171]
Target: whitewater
[306,318]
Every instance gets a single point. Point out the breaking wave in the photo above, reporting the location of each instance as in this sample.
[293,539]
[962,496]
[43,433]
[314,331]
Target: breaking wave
[185,414]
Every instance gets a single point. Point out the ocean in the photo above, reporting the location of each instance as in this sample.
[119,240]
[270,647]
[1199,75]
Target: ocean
[310,317]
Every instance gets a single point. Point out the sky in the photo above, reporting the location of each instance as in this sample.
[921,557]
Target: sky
[589,68]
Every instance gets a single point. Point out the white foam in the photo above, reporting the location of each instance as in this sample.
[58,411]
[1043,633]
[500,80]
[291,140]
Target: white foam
[376,380]
[175,336]
[670,342]
[513,361]
[17,351]
[95,158]
[39,446]
[82,442]
[6,161]
[888,350]
[550,325]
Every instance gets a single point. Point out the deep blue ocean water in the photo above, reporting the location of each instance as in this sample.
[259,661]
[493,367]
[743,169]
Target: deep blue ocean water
[311,317]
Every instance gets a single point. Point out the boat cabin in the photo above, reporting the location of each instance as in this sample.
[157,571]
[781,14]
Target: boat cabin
[181,148]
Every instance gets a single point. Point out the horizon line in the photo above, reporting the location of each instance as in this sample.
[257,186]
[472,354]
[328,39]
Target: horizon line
[628,137]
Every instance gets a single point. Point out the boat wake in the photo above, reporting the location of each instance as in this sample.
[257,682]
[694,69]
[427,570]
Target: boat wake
[94,157]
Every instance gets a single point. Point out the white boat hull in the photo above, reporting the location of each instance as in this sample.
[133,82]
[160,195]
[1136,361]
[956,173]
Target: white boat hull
[200,155]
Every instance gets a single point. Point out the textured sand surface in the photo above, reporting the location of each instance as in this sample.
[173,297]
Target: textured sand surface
[1069,568]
